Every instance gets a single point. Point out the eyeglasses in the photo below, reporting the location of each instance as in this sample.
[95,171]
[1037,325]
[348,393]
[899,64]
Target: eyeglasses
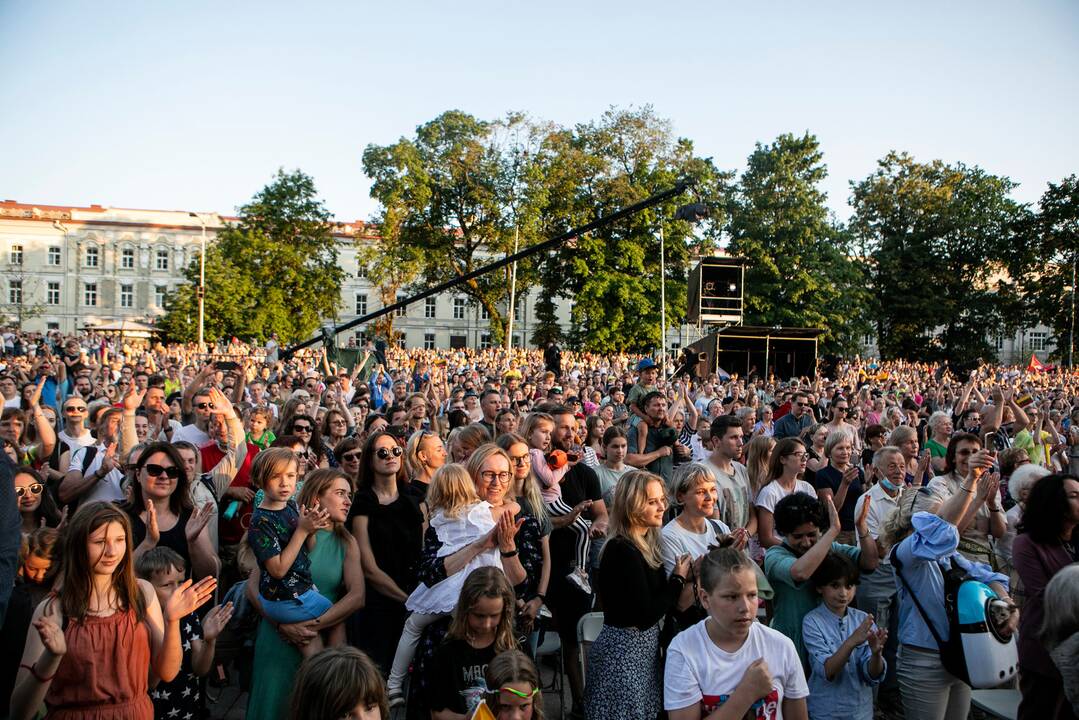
[34,489]
[154,470]
[799,455]
[301,428]
[385,453]
[205,405]
[522,460]
[351,457]
[491,476]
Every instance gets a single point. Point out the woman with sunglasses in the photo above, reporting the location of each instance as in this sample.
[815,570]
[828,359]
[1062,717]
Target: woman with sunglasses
[387,523]
[161,511]
[305,428]
[36,505]
[348,453]
[335,428]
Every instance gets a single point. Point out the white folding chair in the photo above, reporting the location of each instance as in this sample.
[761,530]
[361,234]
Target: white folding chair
[588,628]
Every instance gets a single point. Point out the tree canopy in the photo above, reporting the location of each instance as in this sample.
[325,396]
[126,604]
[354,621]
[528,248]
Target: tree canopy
[274,270]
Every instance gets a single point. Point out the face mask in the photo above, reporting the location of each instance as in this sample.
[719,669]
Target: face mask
[888,485]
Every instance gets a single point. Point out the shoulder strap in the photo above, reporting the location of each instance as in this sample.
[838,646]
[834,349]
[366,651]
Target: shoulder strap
[913,596]
[88,457]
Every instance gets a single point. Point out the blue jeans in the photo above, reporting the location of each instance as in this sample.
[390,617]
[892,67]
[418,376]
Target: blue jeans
[309,606]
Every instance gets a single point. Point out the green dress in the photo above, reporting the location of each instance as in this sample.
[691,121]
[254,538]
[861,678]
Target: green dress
[276,662]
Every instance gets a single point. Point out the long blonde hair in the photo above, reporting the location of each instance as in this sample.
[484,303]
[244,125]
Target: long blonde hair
[452,491]
[758,452]
[630,496]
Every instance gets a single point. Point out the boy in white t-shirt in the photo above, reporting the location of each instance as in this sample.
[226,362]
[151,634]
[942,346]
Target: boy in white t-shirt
[730,659]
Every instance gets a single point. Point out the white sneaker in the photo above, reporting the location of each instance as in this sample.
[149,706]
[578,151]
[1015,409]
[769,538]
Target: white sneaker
[580,578]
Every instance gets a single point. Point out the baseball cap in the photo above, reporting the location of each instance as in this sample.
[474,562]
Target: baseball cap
[646,364]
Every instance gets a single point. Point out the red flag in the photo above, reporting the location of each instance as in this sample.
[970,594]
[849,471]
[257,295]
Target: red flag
[1034,365]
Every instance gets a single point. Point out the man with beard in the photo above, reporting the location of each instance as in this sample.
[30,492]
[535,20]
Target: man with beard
[656,452]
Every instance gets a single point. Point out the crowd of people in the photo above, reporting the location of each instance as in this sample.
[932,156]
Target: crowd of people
[399,534]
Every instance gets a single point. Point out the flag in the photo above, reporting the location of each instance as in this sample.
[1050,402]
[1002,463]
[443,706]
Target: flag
[1034,365]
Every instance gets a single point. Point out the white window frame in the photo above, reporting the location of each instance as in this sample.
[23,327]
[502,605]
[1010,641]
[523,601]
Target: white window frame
[127,296]
[14,292]
[361,304]
[127,258]
[93,256]
[428,341]
[55,255]
[460,306]
[430,308]
[89,292]
[52,293]
[161,257]
[15,257]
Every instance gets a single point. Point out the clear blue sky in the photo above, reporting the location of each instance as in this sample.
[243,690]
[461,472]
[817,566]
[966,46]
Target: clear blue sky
[193,105]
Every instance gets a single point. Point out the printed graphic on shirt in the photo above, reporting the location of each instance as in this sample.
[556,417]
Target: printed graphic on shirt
[764,709]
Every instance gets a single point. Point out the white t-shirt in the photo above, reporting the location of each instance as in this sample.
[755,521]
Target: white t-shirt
[773,492]
[735,504]
[191,434]
[698,671]
[107,488]
[675,540]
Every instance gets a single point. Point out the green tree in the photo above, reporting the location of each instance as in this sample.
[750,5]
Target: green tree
[274,270]
[612,275]
[455,194]
[799,271]
[935,237]
[1045,258]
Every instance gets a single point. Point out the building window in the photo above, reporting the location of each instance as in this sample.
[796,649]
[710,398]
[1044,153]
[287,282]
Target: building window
[402,341]
[401,311]
[517,310]
[361,303]
[52,326]
[485,340]
[54,255]
[162,259]
[127,259]
[428,341]
[361,272]
[1038,341]
[14,292]
[161,294]
[430,305]
[867,340]
[127,296]
[52,294]
[89,296]
[484,314]
[16,255]
[998,342]
[458,308]
[92,256]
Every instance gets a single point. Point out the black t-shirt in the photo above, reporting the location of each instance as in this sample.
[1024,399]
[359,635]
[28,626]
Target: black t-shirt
[580,483]
[396,535]
[418,488]
[175,538]
[457,669]
[828,478]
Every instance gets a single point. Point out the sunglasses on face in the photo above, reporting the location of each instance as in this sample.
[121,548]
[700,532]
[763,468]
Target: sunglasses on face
[34,489]
[205,405]
[75,409]
[351,457]
[154,470]
[384,453]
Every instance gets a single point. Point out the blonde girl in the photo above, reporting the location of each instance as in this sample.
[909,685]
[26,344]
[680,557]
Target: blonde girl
[459,518]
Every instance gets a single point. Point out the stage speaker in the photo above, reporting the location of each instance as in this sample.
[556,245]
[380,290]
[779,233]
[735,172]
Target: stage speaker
[716,291]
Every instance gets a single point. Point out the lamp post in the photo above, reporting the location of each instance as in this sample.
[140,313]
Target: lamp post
[201,292]
[663,301]
[513,290]
[1071,331]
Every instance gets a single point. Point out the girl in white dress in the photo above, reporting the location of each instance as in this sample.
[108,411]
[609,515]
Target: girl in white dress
[460,519]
